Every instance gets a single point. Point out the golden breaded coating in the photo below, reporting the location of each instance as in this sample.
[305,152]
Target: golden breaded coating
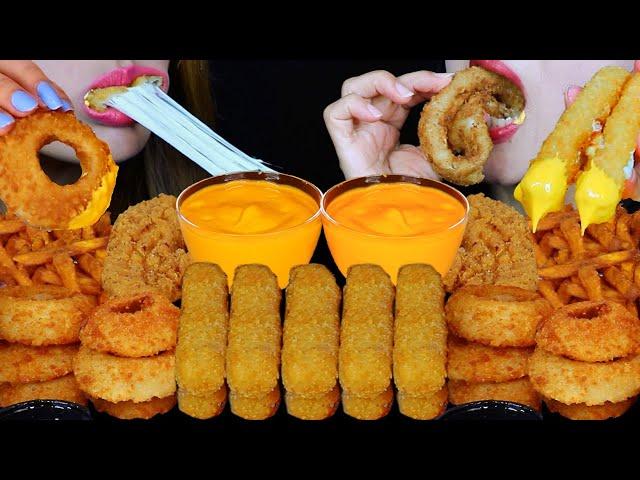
[518,391]
[23,364]
[497,248]
[420,337]
[368,408]
[255,408]
[202,336]
[202,406]
[63,388]
[138,325]
[253,348]
[311,331]
[146,251]
[313,408]
[571,381]
[129,410]
[43,314]
[366,336]
[580,411]
[425,407]
[473,362]
[118,379]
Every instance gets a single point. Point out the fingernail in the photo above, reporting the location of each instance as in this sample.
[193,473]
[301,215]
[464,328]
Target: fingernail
[5,119]
[48,95]
[444,74]
[374,111]
[66,106]
[22,101]
[403,91]
[571,93]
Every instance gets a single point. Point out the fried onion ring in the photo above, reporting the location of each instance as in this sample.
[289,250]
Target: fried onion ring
[580,411]
[453,132]
[23,364]
[474,362]
[32,195]
[571,381]
[42,314]
[590,332]
[497,316]
[136,326]
[64,389]
[518,391]
[129,410]
[118,379]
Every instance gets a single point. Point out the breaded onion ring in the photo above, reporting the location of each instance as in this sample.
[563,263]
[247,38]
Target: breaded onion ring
[580,411]
[64,389]
[518,391]
[453,122]
[22,364]
[474,362]
[424,407]
[131,410]
[42,314]
[136,326]
[590,332]
[32,195]
[118,379]
[571,381]
[498,316]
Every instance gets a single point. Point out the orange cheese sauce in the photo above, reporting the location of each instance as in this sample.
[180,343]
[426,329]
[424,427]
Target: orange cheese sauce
[251,221]
[247,207]
[399,209]
[394,224]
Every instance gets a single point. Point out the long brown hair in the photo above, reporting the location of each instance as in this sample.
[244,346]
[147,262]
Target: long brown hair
[160,168]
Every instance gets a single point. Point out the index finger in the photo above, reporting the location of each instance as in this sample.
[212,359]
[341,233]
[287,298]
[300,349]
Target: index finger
[425,84]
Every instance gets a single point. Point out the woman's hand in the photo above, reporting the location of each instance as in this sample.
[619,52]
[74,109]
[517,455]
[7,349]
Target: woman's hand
[365,123]
[23,88]
[632,186]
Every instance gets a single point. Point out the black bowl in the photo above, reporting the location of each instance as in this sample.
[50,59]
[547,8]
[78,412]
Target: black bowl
[47,410]
[490,410]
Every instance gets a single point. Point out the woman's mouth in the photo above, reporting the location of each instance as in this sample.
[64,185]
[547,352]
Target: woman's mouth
[502,129]
[113,82]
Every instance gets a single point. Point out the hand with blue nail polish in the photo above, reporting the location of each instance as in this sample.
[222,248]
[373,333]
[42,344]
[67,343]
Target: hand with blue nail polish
[23,89]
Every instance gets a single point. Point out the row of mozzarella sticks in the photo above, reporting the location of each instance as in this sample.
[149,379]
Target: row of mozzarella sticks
[385,336]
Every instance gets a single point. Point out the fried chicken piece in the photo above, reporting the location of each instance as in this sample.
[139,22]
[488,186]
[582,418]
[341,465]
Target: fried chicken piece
[497,248]
[146,251]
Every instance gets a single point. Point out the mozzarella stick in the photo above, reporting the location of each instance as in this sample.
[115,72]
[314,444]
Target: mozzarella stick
[202,334]
[420,337]
[366,336]
[313,408]
[253,351]
[311,332]
[368,408]
[425,407]
[202,406]
[255,408]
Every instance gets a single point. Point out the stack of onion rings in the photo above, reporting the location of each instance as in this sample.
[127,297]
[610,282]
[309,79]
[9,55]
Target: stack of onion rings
[32,195]
[453,131]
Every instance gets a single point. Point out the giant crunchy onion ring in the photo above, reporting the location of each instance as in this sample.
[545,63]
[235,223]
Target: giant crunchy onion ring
[129,410]
[590,332]
[580,411]
[453,131]
[32,195]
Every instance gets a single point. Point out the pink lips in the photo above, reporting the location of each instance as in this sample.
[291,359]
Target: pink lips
[121,77]
[501,134]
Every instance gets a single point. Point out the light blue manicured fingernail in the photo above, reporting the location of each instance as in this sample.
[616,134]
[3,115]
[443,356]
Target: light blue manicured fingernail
[48,95]
[66,106]
[5,119]
[22,101]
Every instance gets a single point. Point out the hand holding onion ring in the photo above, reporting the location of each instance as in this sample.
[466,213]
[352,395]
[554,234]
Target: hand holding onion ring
[32,195]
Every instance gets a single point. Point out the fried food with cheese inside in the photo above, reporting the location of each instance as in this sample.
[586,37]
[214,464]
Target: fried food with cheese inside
[423,407]
[497,248]
[146,251]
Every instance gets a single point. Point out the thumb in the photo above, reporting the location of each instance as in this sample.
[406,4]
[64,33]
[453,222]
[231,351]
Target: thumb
[570,94]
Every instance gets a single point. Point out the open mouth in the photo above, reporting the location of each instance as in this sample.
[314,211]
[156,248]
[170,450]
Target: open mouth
[502,128]
[114,82]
